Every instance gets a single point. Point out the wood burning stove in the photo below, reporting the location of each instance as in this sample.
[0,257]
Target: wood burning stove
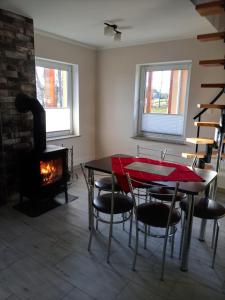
[44,174]
[44,170]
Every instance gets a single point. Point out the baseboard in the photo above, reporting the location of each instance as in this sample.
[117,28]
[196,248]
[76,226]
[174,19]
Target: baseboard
[221,190]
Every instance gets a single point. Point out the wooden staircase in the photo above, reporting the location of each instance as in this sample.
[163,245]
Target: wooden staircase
[211,8]
[207,124]
[212,62]
[214,147]
[211,36]
[213,85]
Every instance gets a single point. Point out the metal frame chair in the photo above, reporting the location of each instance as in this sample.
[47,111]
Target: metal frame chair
[105,184]
[110,204]
[146,213]
[206,209]
[150,152]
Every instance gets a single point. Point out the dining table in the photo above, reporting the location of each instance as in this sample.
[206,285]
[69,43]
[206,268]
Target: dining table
[192,189]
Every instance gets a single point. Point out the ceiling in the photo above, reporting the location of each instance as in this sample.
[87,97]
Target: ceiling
[141,21]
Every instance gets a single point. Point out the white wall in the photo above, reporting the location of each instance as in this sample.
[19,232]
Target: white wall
[85,58]
[115,97]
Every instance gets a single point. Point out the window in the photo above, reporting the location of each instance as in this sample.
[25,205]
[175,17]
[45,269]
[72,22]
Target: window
[162,100]
[57,91]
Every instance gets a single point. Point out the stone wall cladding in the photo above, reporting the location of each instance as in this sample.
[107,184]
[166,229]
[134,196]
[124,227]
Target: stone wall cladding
[17,74]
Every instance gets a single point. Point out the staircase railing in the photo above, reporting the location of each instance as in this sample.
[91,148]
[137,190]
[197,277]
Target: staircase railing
[212,102]
[198,116]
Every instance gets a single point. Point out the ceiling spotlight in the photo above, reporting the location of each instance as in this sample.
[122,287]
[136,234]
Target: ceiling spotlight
[117,36]
[111,30]
[108,31]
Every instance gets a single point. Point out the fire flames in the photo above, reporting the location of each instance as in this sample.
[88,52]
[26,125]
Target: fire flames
[50,171]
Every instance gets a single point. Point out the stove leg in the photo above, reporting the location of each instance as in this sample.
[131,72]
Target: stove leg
[66,195]
[21,198]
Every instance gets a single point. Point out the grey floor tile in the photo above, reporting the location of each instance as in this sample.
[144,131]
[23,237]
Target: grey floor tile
[4,292]
[8,255]
[47,258]
[193,290]
[137,292]
[77,294]
[30,280]
[91,276]
[42,248]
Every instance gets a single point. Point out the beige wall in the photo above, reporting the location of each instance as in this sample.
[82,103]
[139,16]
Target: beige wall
[85,58]
[116,77]
[106,121]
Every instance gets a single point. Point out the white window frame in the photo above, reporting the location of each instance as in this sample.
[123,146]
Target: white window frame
[73,95]
[141,70]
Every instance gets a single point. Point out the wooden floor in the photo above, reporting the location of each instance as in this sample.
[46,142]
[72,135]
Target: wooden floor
[47,258]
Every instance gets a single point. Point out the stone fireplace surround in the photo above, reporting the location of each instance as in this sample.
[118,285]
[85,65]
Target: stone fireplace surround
[17,74]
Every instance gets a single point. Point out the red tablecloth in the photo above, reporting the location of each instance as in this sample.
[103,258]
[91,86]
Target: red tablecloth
[181,172]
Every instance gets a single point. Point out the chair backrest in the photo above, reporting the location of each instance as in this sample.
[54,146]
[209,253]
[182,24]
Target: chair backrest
[172,157]
[91,187]
[133,183]
[150,152]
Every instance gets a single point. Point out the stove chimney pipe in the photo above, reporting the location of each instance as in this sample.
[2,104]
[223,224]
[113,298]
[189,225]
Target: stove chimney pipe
[24,104]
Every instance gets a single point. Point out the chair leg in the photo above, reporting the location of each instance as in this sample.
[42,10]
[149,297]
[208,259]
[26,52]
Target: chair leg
[213,235]
[182,237]
[170,237]
[215,245]
[124,215]
[110,238]
[181,218]
[130,232]
[97,213]
[145,237]
[92,230]
[136,246]
[164,254]
[99,191]
[173,239]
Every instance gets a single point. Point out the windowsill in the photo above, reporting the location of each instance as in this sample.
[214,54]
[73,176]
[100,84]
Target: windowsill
[54,138]
[162,138]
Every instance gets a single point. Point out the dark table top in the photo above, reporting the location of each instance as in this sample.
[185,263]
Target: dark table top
[105,165]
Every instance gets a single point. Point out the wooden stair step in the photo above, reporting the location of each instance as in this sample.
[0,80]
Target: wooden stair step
[213,85]
[211,36]
[210,8]
[214,106]
[212,62]
[200,141]
[207,124]
[200,154]
[192,154]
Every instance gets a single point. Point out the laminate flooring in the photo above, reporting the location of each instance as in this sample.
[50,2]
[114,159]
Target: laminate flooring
[46,258]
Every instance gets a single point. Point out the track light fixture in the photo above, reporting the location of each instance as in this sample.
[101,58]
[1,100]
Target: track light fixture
[111,30]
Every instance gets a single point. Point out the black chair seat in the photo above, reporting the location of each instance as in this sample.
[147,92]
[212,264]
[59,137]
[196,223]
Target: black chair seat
[122,203]
[105,184]
[156,214]
[205,209]
[164,194]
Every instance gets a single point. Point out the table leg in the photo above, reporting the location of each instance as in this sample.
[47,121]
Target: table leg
[90,195]
[210,192]
[187,234]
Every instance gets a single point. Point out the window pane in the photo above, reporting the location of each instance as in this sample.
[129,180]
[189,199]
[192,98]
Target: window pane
[57,119]
[53,84]
[52,87]
[165,91]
